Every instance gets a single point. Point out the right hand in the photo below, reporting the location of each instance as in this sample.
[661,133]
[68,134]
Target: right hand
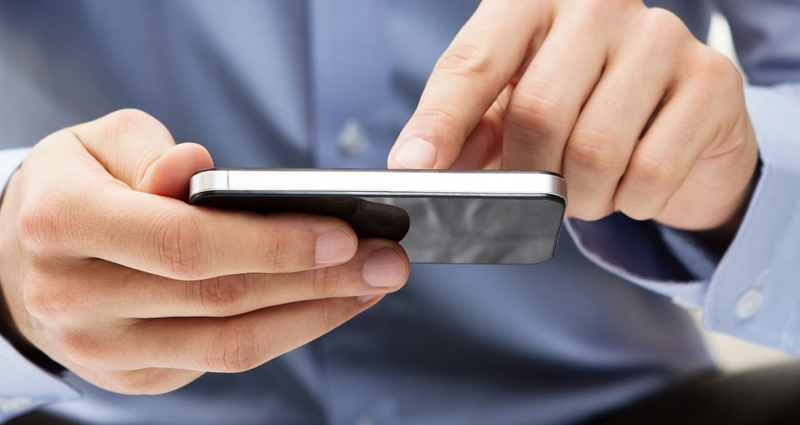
[107,271]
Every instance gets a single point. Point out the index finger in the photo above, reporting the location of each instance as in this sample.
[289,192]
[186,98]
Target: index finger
[475,68]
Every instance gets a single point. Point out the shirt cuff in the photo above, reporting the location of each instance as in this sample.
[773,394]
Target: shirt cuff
[23,385]
[636,251]
[754,293]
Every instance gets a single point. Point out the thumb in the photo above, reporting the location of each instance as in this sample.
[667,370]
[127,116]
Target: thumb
[169,174]
[138,150]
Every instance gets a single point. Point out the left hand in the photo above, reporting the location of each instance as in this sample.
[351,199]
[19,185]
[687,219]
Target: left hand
[635,113]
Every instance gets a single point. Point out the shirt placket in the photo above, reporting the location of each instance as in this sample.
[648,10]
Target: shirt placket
[351,83]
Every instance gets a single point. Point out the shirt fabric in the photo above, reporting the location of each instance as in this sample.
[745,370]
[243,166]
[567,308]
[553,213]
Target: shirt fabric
[330,84]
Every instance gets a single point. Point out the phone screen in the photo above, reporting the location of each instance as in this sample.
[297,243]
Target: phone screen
[442,229]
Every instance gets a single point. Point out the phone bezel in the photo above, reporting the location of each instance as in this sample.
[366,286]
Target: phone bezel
[379,183]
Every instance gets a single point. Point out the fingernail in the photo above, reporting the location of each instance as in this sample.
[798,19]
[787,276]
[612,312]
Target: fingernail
[416,154]
[333,247]
[363,299]
[384,268]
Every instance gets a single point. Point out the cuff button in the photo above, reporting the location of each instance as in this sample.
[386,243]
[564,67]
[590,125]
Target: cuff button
[748,304]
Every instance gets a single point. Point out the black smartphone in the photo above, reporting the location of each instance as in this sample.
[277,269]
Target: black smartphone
[447,216]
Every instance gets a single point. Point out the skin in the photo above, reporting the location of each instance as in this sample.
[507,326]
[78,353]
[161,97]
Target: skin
[118,279]
[634,112]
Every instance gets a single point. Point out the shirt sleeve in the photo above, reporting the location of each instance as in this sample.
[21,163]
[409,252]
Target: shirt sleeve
[751,291]
[23,385]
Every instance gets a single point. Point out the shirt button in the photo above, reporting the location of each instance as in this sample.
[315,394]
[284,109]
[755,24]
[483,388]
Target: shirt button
[749,303]
[15,404]
[353,138]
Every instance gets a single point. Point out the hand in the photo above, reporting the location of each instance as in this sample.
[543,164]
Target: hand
[105,271]
[634,112]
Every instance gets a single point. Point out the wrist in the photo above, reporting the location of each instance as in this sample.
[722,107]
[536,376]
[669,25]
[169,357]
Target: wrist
[719,238]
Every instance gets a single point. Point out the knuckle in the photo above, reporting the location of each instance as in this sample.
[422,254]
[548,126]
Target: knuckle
[653,173]
[663,24]
[223,296]
[128,121]
[592,11]
[85,351]
[600,5]
[43,300]
[42,221]
[662,33]
[537,111]
[136,382]
[638,208]
[280,257]
[236,348]
[327,282]
[595,14]
[590,212]
[438,114]
[465,60]
[596,152]
[332,314]
[713,70]
[179,245]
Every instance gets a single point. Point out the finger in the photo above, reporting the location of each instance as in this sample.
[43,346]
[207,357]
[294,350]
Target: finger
[545,104]
[169,238]
[694,151]
[149,381]
[128,143]
[169,175]
[188,243]
[478,149]
[110,290]
[686,126]
[467,79]
[662,160]
[484,145]
[138,150]
[609,126]
[233,344]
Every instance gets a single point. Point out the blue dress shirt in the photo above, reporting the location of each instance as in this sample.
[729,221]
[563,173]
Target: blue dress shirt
[323,83]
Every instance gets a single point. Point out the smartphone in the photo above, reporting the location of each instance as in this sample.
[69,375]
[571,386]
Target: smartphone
[447,216]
